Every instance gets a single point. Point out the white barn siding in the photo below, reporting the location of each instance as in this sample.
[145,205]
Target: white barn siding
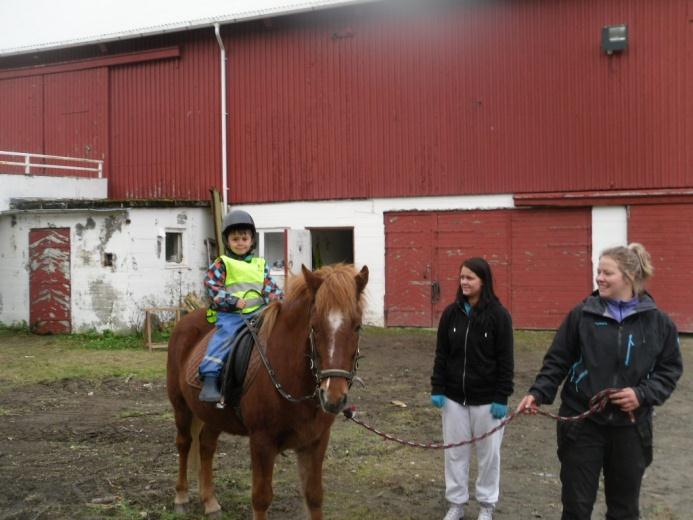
[609,229]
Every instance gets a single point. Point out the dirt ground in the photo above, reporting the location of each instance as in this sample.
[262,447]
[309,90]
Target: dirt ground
[79,449]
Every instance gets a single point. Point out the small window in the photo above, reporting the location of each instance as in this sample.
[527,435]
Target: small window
[108,259]
[274,249]
[174,247]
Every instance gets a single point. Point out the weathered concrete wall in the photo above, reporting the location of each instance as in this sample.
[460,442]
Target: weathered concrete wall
[108,297]
[46,187]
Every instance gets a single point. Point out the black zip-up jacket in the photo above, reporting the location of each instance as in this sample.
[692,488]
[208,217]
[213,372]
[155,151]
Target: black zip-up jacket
[592,351]
[474,363]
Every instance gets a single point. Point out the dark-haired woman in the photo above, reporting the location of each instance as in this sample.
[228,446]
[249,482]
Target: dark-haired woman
[471,382]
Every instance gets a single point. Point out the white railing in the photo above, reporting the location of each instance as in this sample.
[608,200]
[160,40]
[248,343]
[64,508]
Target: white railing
[29,163]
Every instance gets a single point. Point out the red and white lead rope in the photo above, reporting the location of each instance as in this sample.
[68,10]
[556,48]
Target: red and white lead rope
[597,404]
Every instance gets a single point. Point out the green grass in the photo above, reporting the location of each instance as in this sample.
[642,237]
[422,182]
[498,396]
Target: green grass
[398,331]
[532,340]
[28,359]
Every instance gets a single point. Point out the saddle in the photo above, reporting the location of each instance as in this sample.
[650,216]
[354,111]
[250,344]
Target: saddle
[239,369]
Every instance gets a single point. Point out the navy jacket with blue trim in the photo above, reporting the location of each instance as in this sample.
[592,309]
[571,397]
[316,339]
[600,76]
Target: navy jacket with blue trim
[592,351]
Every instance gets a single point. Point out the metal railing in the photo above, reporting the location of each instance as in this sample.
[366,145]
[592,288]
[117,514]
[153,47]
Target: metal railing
[30,164]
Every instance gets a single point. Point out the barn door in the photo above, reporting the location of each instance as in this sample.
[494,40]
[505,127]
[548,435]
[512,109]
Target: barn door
[464,234]
[49,280]
[663,232]
[551,264]
[410,284]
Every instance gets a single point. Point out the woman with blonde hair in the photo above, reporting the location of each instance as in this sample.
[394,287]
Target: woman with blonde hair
[618,339]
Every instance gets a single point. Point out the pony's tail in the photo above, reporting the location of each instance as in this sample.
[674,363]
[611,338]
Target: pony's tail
[194,453]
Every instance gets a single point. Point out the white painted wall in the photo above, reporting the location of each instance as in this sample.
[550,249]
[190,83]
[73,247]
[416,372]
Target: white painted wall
[110,298]
[51,188]
[366,217]
[609,228]
[114,298]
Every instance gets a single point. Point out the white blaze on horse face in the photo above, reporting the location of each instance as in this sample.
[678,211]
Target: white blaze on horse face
[335,319]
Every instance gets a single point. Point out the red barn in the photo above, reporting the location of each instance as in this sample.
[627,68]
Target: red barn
[402,135]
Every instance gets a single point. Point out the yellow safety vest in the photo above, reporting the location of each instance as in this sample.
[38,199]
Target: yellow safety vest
[245,280]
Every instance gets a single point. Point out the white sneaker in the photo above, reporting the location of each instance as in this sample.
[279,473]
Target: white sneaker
[485,513]
[456,512]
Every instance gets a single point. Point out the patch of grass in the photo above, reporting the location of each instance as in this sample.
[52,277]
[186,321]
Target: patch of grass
[533,339]
[107,341]
[397,331]
[44,359]
[14,327]
[125,414]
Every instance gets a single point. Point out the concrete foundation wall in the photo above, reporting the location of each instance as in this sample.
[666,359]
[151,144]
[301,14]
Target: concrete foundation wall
[46,187]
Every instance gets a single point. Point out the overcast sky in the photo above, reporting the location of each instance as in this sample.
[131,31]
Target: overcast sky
[28,23]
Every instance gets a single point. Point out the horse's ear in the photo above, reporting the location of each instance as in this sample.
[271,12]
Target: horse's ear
[362,279]
[312,281]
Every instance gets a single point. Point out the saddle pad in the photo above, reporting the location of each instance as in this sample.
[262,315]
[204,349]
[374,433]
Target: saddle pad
[239,371]
[192,374]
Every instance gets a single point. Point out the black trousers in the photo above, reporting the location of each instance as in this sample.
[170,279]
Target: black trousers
[585,449]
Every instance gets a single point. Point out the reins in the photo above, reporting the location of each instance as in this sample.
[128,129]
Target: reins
[313,358]
[597,404]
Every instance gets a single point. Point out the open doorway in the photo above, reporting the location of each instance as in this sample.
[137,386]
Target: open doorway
[332,245]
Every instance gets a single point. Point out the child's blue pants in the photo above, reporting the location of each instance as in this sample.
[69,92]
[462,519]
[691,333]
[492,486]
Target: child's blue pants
[219,347]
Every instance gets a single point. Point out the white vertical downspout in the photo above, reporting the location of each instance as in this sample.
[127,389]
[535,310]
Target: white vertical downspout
[224,115]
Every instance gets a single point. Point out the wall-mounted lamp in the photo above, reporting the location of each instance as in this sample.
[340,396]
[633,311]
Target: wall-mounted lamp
[614,38]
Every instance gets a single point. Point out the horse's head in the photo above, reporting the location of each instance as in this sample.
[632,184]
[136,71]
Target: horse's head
[335,324]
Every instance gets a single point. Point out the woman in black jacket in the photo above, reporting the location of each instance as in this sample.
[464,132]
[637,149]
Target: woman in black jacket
[615,339]
[471,382]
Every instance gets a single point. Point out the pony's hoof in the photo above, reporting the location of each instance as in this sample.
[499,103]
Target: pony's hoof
[180,509]
[212,508]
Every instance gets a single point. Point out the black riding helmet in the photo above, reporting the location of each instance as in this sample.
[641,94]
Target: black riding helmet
[237,220]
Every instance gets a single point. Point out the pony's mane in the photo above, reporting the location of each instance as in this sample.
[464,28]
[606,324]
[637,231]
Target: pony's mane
[338,291]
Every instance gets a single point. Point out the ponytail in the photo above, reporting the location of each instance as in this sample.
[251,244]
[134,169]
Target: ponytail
[634,262]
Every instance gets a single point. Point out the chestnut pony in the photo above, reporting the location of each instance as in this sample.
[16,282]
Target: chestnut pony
[311,344]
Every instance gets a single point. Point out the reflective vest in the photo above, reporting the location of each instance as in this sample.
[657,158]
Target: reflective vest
[245,280]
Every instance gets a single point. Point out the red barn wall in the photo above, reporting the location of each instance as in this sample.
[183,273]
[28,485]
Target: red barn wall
[665,232]
[382,100]
[461,97]
[165,132]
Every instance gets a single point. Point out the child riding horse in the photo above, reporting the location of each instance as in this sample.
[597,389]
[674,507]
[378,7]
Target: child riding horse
[310,343]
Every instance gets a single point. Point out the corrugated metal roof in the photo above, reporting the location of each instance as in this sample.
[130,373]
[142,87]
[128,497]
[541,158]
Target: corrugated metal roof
[241,13]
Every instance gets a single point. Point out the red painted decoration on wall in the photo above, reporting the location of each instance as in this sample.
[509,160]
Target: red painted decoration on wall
[49,281]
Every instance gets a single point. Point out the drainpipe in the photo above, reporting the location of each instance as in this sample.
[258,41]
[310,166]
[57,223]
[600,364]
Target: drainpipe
[222,65]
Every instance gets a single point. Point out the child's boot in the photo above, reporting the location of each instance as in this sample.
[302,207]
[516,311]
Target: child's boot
[210,390]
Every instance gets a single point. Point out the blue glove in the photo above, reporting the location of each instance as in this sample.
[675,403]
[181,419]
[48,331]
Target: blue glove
[499,411]
[438,400]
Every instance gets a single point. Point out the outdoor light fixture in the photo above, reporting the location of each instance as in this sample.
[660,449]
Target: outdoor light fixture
[614,38]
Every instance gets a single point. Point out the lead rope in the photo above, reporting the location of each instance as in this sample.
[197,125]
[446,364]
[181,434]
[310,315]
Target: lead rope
[597,404]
